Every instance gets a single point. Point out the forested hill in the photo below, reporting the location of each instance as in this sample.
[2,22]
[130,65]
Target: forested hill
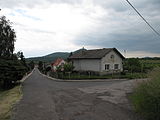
[50,57]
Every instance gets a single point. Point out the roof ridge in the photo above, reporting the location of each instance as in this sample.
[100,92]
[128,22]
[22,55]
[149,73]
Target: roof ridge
[94,53]
[99,49]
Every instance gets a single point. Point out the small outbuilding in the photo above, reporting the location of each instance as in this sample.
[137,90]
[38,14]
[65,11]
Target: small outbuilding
[103,61]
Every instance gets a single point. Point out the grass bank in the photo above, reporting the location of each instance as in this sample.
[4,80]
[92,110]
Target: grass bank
[146,97]
[7,99]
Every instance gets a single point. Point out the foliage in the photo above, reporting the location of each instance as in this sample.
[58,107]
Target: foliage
[10,72]
[49,58]
[21,56]
[132,65]
[68,67]
[7,38]
[143,65]
[59,69]
[146,97]
[48,69]
[150,64]
[31,65]
[11,69]
[40,65]
[77,76]
[22,59]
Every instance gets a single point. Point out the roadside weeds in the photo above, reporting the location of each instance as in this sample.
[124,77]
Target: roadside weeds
[8,99]
[146,97]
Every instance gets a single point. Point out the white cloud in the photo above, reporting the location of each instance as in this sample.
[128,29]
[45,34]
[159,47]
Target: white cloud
[46,26]
[53,29]
[140,54]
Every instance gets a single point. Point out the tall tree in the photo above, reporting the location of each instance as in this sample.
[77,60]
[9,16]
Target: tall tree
[133,65]
[11,68]
[31,65]
[7,38]
[40,65]
[21,57]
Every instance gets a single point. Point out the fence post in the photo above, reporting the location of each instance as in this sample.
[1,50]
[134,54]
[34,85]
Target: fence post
[89,74]
[69,75]
[79,74]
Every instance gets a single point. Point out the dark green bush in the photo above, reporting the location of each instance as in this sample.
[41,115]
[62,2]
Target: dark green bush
[10,72]
[146,97]
[132,65]
[68,67]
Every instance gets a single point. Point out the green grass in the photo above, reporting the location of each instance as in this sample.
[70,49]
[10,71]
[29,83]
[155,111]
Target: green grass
[151,61]
[135,75]
[146,97]
[150,64]
[114,76]
[7,99]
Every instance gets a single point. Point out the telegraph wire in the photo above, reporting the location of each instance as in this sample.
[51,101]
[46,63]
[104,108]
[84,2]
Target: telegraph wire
[143,18]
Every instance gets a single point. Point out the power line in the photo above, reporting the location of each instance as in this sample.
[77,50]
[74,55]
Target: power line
[143,18]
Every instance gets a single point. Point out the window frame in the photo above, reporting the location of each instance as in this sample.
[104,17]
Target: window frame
[116,67]
[112,57]
[107,67]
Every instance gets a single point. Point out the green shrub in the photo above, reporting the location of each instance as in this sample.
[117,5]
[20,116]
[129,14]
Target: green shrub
[10,72]
[146,97]
[132,65]
[68,67]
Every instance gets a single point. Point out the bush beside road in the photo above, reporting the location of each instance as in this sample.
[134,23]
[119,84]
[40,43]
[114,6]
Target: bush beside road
[146,97]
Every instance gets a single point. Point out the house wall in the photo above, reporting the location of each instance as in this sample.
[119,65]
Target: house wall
[107,60]
[87,65]
[98,65]
[62,62]
[55,67]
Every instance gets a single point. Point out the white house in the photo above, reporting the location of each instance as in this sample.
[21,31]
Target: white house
[58,62]
[103,61]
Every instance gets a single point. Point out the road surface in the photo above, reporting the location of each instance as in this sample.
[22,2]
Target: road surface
[45,99]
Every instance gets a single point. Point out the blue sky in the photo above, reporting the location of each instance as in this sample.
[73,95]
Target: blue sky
[47,26]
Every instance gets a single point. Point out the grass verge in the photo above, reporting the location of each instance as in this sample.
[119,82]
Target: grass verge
[146,97]
[7,100]
[114,76]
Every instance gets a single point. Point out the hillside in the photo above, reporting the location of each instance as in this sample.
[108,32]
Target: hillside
[50,57]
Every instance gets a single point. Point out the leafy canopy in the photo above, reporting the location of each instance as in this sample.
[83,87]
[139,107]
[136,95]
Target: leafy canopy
[7,38]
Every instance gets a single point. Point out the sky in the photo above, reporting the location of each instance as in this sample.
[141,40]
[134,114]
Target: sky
[46,26]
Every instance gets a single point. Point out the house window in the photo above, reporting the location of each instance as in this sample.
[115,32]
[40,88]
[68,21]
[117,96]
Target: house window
[116,66]
[112,57]
[106,66]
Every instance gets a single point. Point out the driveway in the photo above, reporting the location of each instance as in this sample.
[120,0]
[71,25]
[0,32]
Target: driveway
[45,99]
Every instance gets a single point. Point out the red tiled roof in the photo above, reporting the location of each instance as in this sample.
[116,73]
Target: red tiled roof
[57,62]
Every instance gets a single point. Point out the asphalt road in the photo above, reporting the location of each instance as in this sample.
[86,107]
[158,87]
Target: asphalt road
[45,99]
